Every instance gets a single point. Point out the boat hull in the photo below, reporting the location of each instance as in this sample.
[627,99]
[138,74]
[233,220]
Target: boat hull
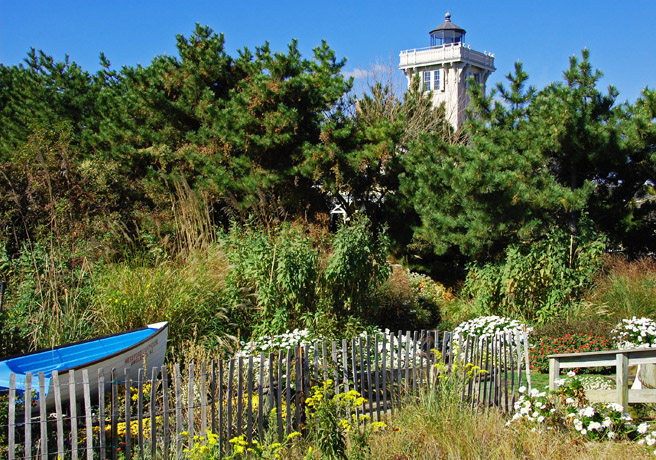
[146,354]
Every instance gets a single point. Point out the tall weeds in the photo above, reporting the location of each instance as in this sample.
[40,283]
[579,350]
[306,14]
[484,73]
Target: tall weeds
[188,293]
[625,289]
[48,297]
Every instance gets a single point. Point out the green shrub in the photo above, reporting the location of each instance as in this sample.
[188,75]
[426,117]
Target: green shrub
[285,278]
[539,281]
[356,267]
[275,274]
[399,304]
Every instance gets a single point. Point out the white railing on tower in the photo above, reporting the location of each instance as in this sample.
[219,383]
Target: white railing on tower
[450,52]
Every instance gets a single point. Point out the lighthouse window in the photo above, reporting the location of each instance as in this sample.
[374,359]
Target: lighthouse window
[427,79]
[436,79]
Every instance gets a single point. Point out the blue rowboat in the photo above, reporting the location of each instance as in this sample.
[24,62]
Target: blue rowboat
[143,348]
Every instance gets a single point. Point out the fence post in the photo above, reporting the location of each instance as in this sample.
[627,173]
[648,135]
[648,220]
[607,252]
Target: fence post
[28,415]
[58,411]
[622,377]
[12,416]
[554,372]
[528,363]
[73,414]
[87,412]
[43,418]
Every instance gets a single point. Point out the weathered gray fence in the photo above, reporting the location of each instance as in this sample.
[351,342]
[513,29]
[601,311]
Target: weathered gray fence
[156,415]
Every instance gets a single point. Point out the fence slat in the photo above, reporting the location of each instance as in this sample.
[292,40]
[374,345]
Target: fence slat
[288,390]
[496,367]
[114,412]
[220,415]
[473,394]
[271,388]
[335,365]
[203,399]
[279,413]
[231,369]
[526,360]
[249,402]
[299,388]
[240,395]
[102,442]
[43,416]
[190,401]
[12,417]
[28,415]
[370,393]
[73,409]
[324,357]
[471,373]
[399,356]
[363,383]
[213,396]
[260,400]
[153,414]
[422,345]
[377,377]
[408,342]
[495,370]
[58,412]
[128,424]
[87,412]
[305,382]
[518,348]
[345,373]
[356,387]
[511,355]
[165,412]
[505,372]
[315,361]
[384,345]
[178,411]
[140,422]
[487,370]
[465,359]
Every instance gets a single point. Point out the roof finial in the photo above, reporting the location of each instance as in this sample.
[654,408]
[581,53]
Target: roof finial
[447,16]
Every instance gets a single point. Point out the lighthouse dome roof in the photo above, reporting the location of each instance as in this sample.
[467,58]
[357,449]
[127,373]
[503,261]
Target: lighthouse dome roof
[448,25]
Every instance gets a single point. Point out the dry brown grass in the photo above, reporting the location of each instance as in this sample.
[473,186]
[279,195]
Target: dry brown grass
[624,289]
[465,434]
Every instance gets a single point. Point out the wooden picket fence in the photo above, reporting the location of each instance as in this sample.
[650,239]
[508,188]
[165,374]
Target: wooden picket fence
[253,395]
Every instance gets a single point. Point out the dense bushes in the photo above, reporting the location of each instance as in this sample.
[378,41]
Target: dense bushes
[295,278]
[538,282]
[409,300]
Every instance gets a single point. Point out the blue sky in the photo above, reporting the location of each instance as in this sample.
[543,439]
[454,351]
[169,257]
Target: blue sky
[620,35]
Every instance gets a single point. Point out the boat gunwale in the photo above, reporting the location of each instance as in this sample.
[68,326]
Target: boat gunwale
[165,325]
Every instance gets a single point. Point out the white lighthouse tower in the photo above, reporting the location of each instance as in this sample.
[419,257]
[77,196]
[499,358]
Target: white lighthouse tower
[445,67]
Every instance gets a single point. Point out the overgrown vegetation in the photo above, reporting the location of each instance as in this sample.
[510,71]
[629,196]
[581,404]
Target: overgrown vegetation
[198,189]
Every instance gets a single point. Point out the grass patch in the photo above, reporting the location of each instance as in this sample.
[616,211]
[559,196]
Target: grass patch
[451,430]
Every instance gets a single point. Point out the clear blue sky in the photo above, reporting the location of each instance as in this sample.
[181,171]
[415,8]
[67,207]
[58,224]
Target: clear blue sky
[541,34]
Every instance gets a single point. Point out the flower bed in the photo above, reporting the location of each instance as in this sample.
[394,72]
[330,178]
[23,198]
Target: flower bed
[489,325]
[635,333]
[569,343]
[567,408]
